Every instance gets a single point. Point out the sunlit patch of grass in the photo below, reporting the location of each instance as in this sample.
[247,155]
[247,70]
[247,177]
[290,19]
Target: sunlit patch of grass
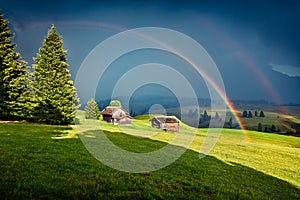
[290,117]
[273,154]
[67,134]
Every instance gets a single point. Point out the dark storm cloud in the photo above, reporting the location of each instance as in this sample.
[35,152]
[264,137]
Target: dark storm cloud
[277,23]
[263,32]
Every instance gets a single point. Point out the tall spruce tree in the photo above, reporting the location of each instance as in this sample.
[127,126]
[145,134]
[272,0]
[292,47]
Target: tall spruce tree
[53,90]
[14,78]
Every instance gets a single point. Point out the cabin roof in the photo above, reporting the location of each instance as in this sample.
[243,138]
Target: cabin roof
[166,119]
[110,110]
[115,112]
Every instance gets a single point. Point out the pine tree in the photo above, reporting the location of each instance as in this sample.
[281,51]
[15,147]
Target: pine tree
[273,128]
[261,114]
[255,113]
[217,115]
[245,114]
[54,93]
[259,128]
[230,122]
[249,114]
[205,117]
[14,78]
[91,110]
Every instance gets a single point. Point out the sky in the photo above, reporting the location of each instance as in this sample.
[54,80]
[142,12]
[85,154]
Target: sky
[255,44]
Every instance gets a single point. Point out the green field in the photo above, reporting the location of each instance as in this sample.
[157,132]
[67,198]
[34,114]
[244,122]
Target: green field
[276,115]
[281,122]
[51,162]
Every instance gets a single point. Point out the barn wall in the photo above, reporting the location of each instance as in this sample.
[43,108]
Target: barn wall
[172,127]
[155,123]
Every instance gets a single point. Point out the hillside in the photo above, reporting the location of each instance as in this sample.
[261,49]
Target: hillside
[249,148]
[51,162]
[286,119]
[286,124]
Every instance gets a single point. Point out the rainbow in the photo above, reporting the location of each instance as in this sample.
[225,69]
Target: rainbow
[208,79]
[250,65]
[84,25]
[219,91]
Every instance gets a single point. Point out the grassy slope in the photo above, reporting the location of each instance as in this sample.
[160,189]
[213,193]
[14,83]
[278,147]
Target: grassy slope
[273,115]
[269,153]
[281,121]
[36,164]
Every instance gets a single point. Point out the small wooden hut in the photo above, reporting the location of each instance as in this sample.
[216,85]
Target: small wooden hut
[167,123]
[116,116]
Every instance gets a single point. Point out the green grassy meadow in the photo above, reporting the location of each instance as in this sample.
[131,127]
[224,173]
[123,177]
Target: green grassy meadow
[51,162]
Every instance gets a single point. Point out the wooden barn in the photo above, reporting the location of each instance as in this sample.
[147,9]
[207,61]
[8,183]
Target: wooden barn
[167,123]
[116,116]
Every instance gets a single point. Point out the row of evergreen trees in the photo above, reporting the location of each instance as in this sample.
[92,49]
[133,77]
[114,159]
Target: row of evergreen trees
[272,129]
[249,114]
[44,93]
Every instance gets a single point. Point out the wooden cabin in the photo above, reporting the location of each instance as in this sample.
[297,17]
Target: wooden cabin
[167,123]
[116,116]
